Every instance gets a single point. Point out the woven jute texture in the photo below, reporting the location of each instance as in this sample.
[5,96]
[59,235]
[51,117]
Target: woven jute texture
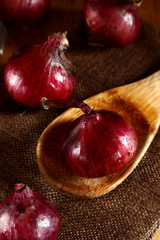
[132,210]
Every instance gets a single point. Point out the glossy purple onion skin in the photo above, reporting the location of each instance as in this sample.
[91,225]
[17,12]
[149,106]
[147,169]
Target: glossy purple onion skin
[27,215]
[113,23]
[99,144]
[26,11]
[40,71]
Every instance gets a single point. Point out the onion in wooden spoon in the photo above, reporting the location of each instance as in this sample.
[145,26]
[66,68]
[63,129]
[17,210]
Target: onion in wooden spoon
[138,102]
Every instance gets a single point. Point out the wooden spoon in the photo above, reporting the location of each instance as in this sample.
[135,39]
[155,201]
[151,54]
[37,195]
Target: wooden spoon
[138,102]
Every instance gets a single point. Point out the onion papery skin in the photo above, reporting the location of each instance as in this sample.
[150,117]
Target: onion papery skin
[26,11]
[111,23]
[98,144]
[26,215]
[42,70]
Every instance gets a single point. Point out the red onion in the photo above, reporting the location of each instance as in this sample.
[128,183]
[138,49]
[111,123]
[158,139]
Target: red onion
[98,143]
[113,23]
[27,215]
[3,35]
[40,70]
[27,11]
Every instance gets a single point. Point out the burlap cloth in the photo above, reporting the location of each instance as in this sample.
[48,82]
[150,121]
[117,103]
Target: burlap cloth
[132,210]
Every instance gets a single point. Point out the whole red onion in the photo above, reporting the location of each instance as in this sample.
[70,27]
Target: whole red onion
[26,11]
[40,70]
[113,23]
[26,215]
[98,143]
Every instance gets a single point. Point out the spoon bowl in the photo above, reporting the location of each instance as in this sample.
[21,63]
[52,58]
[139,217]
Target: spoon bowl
[137,102]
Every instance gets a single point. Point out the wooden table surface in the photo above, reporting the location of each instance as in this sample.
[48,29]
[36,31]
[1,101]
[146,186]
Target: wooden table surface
[71,11]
